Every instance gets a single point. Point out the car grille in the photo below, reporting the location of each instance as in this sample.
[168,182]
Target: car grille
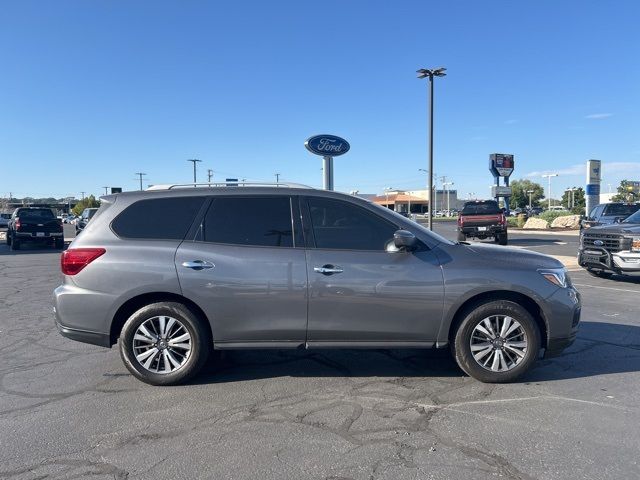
[611,242]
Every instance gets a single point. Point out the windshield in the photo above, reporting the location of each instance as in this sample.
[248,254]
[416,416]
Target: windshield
[620,210]
[635,218]
[487,208]
[35,213]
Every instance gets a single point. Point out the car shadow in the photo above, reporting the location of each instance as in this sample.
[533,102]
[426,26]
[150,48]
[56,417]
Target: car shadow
[30,250]
[600,349]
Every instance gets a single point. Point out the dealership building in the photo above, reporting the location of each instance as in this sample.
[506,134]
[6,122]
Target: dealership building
[416,201]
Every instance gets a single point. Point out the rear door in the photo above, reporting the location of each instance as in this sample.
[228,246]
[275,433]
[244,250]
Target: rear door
[246,269]
[362,291]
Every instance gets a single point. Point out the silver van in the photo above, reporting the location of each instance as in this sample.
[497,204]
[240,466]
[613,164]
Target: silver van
[172,273]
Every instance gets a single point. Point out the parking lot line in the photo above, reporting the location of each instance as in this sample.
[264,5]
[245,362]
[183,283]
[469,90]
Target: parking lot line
[606,288]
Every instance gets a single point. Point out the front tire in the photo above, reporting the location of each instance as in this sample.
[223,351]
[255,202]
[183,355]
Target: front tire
[497,342]
[164,343]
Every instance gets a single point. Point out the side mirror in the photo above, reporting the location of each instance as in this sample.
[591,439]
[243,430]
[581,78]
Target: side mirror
[403,239]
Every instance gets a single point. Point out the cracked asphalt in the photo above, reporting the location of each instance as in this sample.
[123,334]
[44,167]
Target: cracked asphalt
[69,410]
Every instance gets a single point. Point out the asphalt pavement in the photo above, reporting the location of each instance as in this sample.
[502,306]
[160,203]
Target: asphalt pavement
[69,410]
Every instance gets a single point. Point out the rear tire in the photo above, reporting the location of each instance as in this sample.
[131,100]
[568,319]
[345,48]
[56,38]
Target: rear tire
[15,244]
[525,339]
[193,359]
[502,239]
[7,238]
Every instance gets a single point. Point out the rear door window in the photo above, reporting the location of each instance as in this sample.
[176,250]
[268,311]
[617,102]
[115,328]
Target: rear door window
[488,208]
[158,218]
[250,221]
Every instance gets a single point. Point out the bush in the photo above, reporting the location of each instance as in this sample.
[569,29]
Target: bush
[512,222]
[551,216]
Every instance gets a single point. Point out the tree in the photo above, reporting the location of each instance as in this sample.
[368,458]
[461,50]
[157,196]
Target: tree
[627,192]
[568,200]
[520,197]
[88,202]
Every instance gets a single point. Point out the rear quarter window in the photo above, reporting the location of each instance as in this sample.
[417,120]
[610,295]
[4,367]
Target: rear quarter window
[158,218]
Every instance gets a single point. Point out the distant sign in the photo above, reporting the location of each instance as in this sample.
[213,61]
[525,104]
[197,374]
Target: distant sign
[500,191]
[592,189]
[594,171]
[116,190]
[327,145]
[232,182]
[501,164]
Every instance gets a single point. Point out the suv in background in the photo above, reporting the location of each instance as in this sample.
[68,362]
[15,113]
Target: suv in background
[34,225]
[482,219]
[4,219]
[609,249]
[608,213]
[276,267]
[87,214]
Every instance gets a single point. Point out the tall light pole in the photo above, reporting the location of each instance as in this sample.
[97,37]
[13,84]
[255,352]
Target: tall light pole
[194,161]
[277,177]
[140,175]
[530,192]
[105,190]
[549,176]
[430,73]
[209,175]
[386,194]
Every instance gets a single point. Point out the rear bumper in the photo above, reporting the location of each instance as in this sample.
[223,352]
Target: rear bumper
[33,236]
[490,231]
[94,338]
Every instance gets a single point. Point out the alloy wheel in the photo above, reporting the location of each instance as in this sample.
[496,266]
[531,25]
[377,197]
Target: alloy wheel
[498,343]
[162,344]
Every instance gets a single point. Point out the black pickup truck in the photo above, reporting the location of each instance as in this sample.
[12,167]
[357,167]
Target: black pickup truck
[34,225]
[482,219]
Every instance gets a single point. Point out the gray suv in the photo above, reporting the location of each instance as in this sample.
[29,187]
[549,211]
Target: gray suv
[293,267]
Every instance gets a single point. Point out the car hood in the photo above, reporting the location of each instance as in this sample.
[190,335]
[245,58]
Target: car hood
[616,228]
[515,258]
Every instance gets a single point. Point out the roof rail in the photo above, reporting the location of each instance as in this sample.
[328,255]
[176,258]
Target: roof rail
[171,186]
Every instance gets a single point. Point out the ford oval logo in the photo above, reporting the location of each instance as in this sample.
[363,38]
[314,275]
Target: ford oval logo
[327,145]
[598,243]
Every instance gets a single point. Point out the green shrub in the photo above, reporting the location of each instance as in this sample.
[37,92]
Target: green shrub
[551,216]
[513,222]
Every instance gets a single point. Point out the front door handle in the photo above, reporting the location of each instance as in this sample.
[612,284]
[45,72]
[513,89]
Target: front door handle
[198,265]
[328,269]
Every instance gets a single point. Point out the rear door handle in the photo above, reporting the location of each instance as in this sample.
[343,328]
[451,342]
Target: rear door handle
[328,269]
[198,265]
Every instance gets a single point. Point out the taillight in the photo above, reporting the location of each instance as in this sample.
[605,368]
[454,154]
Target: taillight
[75,259]
[18,225]
[502,220]
[460,221]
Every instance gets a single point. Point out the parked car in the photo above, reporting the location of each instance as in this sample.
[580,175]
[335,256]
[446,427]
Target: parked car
[557,208]
[4,220]
[482,219]
[614,248]
[83,219]
[34,225]
[534,211]
[608,213]
[278,267]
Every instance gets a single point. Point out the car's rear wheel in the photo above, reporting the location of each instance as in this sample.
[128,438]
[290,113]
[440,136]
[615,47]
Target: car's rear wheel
[502,239]
[497,342]
[15,244]
[164,343]
[7,238]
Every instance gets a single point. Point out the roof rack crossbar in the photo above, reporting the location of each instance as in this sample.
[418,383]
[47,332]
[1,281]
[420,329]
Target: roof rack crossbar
[227,184]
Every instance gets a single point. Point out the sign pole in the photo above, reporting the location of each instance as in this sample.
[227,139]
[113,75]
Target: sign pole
[327,173]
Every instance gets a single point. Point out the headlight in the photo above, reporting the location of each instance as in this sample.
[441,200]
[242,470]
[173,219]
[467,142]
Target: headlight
[557,276]
[635,244]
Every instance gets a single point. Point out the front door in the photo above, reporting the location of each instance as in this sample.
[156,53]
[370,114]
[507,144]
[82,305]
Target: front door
[247,273]
[361,289]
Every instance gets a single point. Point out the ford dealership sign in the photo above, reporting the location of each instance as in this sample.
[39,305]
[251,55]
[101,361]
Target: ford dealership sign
[327,145]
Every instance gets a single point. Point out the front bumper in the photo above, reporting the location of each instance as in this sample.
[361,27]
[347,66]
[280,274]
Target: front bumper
[563,320]
[601,259]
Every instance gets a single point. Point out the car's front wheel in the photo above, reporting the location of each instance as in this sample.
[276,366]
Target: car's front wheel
[497,342]
[164,343]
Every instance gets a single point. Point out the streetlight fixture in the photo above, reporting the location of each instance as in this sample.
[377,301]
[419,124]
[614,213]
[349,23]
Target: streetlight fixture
[430,73]
[194,161]
[530,192]
[549,176]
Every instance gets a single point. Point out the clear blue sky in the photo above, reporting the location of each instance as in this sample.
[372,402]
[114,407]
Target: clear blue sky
[92,92]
